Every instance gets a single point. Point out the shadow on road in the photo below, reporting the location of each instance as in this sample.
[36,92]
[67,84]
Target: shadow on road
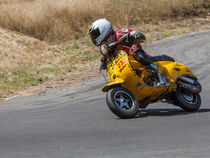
[166,112]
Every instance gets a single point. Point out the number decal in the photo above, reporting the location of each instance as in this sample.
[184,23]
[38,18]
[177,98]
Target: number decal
[121,63]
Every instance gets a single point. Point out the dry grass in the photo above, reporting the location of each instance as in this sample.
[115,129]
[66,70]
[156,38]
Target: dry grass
[54,21]
[26,61]
[30,62]
[62,20]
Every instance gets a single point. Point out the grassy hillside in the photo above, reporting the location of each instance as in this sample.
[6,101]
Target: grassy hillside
[44,43]
[28,62]
[59,20]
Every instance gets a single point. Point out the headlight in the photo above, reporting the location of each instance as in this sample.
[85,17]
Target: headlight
[104,49]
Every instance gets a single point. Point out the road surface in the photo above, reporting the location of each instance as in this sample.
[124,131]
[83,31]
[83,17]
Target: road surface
[74,121]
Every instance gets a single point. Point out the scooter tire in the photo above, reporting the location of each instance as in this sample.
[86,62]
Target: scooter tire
[188,105]
[122,102]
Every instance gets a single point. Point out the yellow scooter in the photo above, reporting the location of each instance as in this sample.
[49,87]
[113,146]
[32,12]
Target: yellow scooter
[131,87]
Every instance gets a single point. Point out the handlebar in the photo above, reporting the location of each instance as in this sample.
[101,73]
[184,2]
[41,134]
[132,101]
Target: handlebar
[111,45]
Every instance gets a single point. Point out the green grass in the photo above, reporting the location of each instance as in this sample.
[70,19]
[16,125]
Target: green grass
[18,79]
[85,53]
[23,78]
[49,70]
[70,68]
[3,77]
[90,58]
[54,50]
[75,46]
[90,44]
[166,34]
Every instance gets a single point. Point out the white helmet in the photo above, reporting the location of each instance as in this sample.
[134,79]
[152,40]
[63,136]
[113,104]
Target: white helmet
[100,30]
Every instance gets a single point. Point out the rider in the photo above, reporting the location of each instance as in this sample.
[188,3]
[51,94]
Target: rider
[101,31]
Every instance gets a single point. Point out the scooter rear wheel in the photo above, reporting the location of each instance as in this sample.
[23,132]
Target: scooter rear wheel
[187,101]
[122,102]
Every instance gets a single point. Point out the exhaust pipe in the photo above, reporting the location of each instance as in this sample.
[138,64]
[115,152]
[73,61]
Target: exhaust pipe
[192,88]
[187,80]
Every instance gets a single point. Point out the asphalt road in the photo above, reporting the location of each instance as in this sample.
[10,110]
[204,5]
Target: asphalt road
[74,121]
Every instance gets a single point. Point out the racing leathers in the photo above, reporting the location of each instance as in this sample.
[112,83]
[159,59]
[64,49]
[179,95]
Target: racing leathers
[131,44]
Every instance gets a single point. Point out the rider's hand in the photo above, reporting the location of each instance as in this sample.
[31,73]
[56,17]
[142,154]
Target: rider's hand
[103,63]
[124,38]
[133,36]
[102,66]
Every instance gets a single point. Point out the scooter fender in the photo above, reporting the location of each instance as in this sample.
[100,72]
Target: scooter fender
[110,85]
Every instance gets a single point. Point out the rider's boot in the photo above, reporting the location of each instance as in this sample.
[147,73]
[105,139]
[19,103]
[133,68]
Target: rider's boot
[152,68]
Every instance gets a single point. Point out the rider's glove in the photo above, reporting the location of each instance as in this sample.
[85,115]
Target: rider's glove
[102,66]
[124,38]
[103,63]
[134,36]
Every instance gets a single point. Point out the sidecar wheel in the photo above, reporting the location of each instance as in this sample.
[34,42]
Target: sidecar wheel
[122,102]
[187,101]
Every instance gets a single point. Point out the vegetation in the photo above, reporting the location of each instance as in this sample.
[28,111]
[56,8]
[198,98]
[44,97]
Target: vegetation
[43,42]
[54,20]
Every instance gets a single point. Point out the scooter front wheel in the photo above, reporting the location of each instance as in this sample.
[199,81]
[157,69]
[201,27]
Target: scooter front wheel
[122,102]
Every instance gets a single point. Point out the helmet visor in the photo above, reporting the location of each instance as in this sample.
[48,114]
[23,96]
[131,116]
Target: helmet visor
[94,34]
